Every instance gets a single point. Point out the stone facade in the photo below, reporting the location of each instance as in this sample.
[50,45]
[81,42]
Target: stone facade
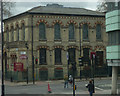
[15,48]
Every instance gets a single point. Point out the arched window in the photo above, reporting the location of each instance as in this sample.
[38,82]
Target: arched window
[12,33]
[17,33]
[85,32]
[42,31]
[71,52]
[57,31]
[7,37]
[23,32]
[71,31]
[42,56]
[98,32]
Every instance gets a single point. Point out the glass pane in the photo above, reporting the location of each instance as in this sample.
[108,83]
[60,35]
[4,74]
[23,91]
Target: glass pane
[42,56]
[98,31]
[42,31]
[71,31]
[23,32]
[85,31]
[71,53]
[57,31]
[58,55]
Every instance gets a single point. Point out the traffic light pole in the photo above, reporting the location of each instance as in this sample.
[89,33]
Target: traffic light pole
[73,70]
[32,52]
[80,50]
[2,49]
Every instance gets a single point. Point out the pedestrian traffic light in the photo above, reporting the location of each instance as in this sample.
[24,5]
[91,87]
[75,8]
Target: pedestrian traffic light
[80,61]
[36,61]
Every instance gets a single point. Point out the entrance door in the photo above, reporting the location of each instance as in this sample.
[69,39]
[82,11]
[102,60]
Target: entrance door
[99,58]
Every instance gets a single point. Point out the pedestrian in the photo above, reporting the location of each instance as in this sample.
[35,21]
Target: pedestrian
[70,80]
[66,81]
[90,87]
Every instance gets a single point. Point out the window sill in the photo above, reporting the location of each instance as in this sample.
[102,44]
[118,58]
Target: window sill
[43,64]
[57,40]
[99,40]
[86,40]
[72,40]
[58,63]
[43,40]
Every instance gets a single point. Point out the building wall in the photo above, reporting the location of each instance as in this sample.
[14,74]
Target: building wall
[16,47]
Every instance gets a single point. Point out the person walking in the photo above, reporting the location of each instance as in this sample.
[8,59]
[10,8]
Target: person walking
[66,81]
[90,87]
[71,80]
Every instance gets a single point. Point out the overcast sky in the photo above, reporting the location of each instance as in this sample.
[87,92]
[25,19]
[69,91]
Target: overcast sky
[24,6]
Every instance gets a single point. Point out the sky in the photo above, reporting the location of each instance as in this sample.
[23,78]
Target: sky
[21,7]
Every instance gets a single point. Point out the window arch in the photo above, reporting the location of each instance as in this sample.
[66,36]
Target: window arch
[23,32]
[42,31]
[98,32]
[57,31]
[85,32]
[71,31]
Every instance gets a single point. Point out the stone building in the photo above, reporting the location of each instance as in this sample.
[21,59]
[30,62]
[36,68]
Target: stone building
[55,31]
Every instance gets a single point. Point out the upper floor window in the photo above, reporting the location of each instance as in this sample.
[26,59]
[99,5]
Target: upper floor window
[42,33]
[86,59]
[42,56]
[71,31]
[23,32]
[57,31]
[17,30]
[85,32]
[58,56]
[113,38]
[98,32]
[7,37]
[12,33]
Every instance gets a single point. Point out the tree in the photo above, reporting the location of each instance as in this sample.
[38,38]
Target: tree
[102,6]
[7,7]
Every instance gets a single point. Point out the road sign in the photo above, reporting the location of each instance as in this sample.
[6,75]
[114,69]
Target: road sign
[22,52]
[23,56]
[92,55]
[18,66]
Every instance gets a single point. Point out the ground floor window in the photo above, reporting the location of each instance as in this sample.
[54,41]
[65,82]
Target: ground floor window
[58,73]
[43,74]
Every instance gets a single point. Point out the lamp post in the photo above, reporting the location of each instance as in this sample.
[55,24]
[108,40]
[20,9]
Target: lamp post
[32,51]
[93,54]
[73,70]
[26,45]
[80,59]
[2,49]
[68,63]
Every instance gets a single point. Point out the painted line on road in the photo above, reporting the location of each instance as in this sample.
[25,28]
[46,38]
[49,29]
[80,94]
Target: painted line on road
[99,88]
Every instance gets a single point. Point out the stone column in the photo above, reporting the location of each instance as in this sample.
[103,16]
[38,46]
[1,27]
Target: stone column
[114,80]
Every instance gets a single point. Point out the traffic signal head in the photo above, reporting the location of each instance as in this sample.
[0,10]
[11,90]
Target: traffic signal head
[36,61]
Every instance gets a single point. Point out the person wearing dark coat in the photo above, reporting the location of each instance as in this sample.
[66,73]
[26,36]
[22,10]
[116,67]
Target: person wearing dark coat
[90,87]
